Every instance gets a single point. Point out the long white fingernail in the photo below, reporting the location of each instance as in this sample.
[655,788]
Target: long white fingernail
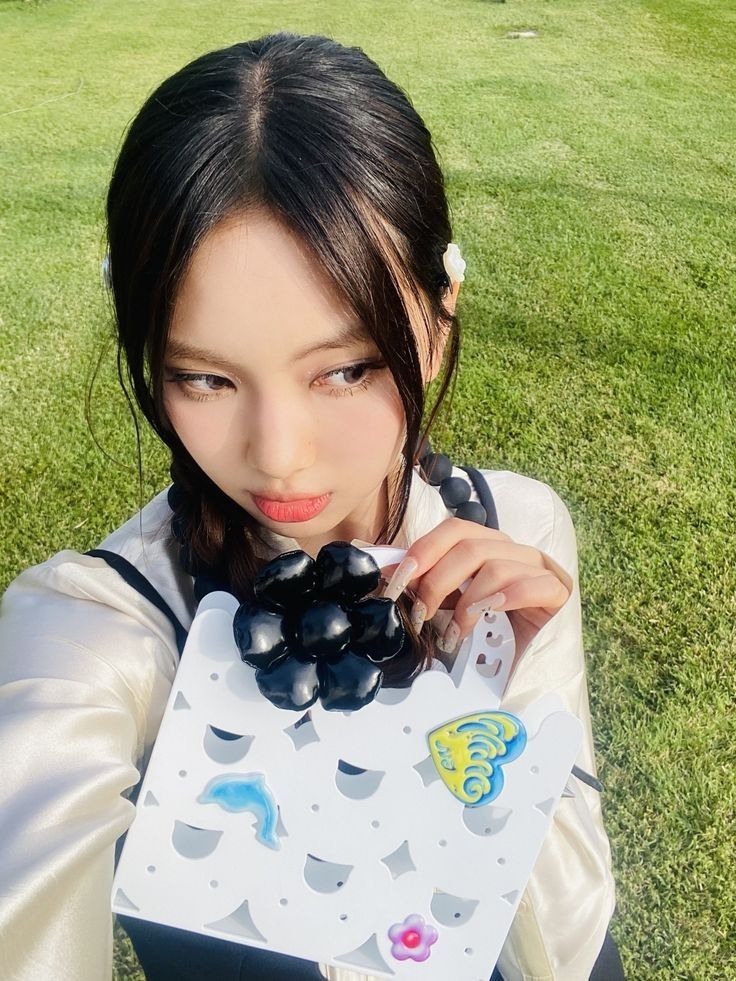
[400,579]
[494,602]
[418,614]
[448,641]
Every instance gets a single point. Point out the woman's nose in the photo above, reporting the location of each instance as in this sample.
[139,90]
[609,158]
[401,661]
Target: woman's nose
[280,438]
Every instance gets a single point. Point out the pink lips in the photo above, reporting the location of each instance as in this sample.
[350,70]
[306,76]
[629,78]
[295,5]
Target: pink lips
[287,511]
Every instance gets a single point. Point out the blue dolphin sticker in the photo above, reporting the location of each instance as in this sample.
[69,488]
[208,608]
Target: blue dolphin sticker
[246,792]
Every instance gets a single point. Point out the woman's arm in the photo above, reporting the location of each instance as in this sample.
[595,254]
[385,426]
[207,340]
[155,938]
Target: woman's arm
[81,683]
[562,919]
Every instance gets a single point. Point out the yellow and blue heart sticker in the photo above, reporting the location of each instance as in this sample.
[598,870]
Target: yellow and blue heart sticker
[468,754]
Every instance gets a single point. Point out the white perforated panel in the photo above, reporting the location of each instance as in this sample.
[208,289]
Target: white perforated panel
[356,853]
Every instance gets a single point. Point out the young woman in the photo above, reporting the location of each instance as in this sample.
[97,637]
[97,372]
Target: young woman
[279,254]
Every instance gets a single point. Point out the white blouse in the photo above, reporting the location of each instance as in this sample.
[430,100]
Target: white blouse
[86,665]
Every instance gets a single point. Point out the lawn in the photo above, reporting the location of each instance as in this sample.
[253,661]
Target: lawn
[591,173]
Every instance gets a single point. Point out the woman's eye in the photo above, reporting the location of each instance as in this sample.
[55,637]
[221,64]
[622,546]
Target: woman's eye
[198,385]
[350,377]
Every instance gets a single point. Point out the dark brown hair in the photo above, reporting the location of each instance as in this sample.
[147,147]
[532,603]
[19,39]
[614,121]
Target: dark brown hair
[314,134]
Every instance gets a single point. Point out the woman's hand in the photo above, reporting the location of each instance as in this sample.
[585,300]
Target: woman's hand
[517,579]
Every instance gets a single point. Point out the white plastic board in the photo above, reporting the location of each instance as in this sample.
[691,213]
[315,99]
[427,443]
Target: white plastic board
[331,865]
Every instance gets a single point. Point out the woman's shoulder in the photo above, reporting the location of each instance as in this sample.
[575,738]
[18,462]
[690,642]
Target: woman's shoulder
[75,587]
[72,630]
[529,510]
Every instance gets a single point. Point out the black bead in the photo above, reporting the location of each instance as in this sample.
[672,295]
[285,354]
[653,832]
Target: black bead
[472,511]
[436,467]
[454,491]
[286,581]
[259,635]
[289,684]
[322,630]
[175,496]
[346,573]
[378,632]
[348,683]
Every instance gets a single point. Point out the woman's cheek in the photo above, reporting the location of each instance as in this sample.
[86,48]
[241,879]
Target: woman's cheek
[205,428]
[366,426]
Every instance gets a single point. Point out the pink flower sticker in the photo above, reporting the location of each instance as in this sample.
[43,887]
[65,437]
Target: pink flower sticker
[412,938]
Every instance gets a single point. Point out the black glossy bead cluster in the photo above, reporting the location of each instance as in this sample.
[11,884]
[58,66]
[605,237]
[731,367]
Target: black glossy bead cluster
[312,633]
[455,492]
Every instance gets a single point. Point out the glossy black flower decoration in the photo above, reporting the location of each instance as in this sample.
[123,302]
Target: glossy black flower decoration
[313,632]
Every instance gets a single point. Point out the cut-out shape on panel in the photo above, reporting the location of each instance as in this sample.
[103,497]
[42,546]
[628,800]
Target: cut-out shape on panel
[427,771]
[246,792]
[239,924]
[487,820]
[487,669]
[281,831]
[452,911]
[545,806]
[350,768]
[191,842]
[367,955]
[224,734]
[302,732]
[511,897]
[150,800]
[356,783]
[412,939]
[400,861]
[180,702]
[122,900]
[324,876]
[225,747]
[469,752]
[493,640]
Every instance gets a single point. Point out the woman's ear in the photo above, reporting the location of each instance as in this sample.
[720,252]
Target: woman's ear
[450,298]
[448,302]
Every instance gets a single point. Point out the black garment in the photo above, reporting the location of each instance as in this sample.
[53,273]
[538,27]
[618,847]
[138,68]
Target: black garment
[168,954]
[608,966]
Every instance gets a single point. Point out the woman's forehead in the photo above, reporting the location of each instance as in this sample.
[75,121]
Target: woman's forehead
[257,258]
[252,279]
[252,286]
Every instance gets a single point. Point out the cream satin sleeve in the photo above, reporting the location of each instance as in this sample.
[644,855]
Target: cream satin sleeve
[562,919]
[85,669]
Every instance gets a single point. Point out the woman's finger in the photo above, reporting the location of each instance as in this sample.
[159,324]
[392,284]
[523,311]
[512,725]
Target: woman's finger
[539,593]
[542,591]
[469,552]
[464,562]
[426,550]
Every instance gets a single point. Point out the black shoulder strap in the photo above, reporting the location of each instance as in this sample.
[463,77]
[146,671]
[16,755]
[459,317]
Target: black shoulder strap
[139,582]
[484,495]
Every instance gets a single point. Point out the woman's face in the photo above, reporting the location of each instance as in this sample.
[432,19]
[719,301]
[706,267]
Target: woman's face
[281,400]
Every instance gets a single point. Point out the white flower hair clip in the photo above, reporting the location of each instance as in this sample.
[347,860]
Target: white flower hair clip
[454,263]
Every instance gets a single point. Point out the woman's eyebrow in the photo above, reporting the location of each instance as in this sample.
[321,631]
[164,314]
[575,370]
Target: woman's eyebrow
[348,334]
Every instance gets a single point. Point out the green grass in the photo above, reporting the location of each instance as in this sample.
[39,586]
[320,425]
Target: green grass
[591,176]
